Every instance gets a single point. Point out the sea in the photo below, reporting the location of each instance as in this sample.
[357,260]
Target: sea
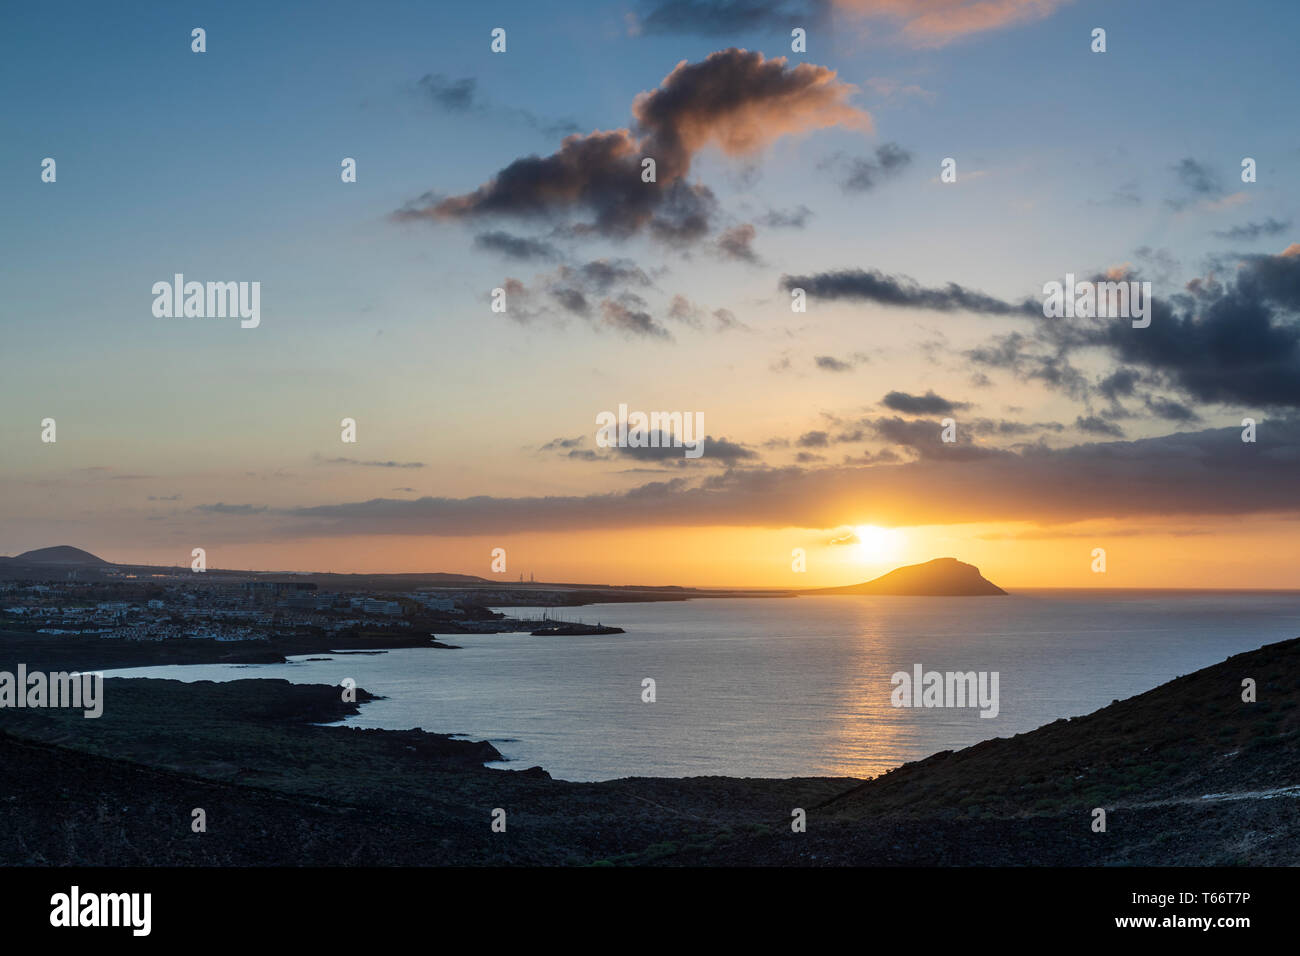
[784,687]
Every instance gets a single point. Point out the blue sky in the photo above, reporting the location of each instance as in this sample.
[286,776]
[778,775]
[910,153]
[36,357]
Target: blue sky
[225,165]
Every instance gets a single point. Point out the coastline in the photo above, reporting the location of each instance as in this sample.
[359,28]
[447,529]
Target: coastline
[1188,774]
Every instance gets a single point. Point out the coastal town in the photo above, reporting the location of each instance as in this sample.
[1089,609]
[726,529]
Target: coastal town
[67,592]
[144,610]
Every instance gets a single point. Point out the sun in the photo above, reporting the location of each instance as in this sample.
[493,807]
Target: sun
[877,544]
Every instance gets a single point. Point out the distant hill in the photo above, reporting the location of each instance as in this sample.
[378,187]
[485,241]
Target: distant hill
[938,578]
[62,554]
[59,563]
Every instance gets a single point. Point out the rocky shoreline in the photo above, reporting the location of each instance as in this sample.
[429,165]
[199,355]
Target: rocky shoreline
[96,653]
[1188,773]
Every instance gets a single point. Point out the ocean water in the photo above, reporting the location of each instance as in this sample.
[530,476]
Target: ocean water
[778,687]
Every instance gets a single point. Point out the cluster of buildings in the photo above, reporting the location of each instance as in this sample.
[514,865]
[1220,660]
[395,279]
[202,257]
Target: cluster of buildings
[258,610]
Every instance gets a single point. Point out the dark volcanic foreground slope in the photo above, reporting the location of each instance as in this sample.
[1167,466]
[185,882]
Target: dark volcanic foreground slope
[1188,773]
[279,791]
[1181,741]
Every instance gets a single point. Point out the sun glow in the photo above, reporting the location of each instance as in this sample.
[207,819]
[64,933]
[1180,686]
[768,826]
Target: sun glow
[877,544]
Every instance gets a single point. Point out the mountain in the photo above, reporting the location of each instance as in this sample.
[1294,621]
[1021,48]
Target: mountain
[940,577]
[62,554]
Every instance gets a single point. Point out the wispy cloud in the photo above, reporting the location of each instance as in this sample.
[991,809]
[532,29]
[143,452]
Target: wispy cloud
[923,23]
[373,464]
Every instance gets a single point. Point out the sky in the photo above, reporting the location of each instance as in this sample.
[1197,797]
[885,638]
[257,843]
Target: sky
[775,169]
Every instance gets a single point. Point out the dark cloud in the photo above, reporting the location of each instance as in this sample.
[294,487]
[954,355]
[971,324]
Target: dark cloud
[795,218]
[516,247]
[925,439]
[1098,426]
[927,23]
[716,450]
[579,290]
[1197,177]
[859,174]
[726,18]
[665,450]
[735,100]
[1119,384]
[1170,410]
[462,96]
[1235,341]
[720,449]
[599,173]
[521,306]
[606,293]
[829,363]
[813,439]
[458,96]
[1005,428]
[221,508]
[1255,230]
[601,275]
[374,464]
[1198,181]
[571,300]
[724,320]
[1002,351]
[563,444]
[738,243]
[874,286]
[569,448]
[682,309]
[1032,359]
[662,447]
[622,317]
[927,404]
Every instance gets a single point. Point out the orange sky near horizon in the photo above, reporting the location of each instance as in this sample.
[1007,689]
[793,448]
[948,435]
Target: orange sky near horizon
[1246,554]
